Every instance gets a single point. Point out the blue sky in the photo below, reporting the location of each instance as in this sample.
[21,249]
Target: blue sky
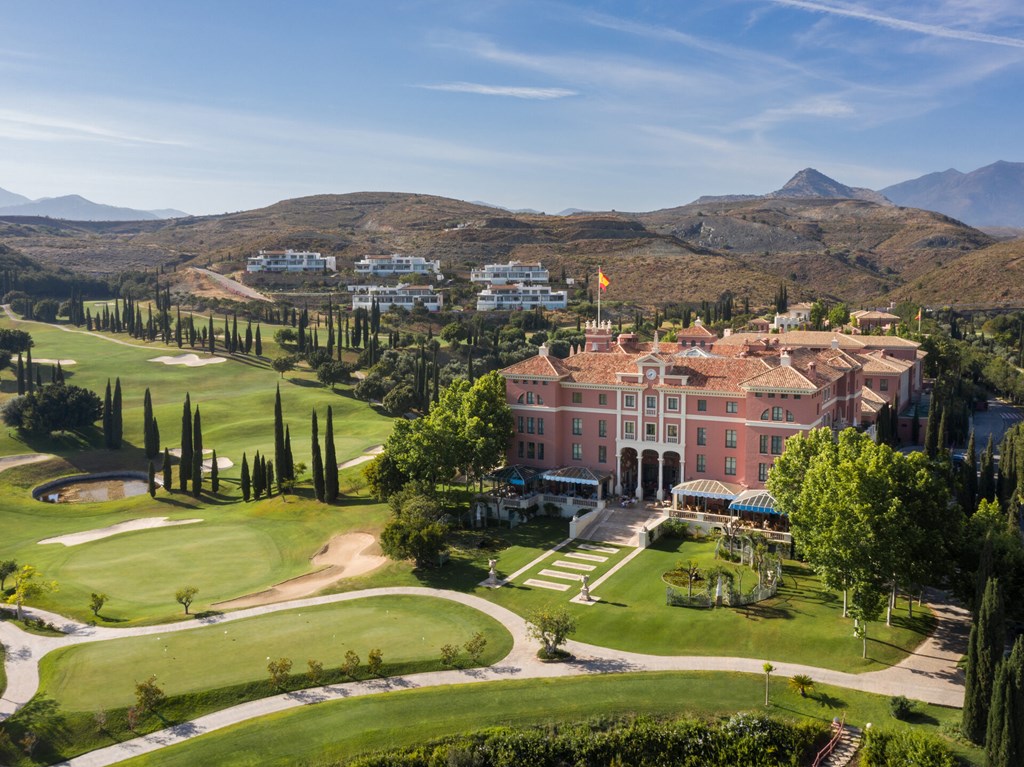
[218,106]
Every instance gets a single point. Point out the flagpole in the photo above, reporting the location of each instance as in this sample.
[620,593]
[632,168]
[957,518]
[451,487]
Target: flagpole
[920,314]
[599,291]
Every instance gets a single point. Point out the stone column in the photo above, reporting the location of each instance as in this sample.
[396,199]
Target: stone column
[661,477]
[618,474]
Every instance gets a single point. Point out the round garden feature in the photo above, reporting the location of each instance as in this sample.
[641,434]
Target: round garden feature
[93,488]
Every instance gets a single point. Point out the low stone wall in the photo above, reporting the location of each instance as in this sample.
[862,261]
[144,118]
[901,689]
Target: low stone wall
[53,484]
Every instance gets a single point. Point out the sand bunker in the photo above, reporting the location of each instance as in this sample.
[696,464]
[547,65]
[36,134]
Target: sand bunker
[344,556]
[63,363]
[222,463]
[10,461]
[74,539]
[189,360]
[369,455]
[176,452]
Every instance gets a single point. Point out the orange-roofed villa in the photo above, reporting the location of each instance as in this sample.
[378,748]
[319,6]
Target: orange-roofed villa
[694,424]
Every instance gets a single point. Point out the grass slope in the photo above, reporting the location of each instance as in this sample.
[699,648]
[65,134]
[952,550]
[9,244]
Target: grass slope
[337,731]
[238,548]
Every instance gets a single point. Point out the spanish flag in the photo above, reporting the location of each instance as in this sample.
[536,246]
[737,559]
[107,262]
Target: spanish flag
[602,280]
[918,317]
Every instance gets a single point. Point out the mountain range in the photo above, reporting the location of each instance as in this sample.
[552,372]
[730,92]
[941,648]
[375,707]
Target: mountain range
[73,207]
[989,196]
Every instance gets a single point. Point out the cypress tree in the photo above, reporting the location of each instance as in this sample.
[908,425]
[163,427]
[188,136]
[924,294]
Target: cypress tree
[152,480]
[268,476]
[970,477]
[39,379]
[152,446]
[318,460]
[185,462]
[289,460]
[60,373]
[197,433]
[279,453]
[330,460]
[985,649]
[117,430]
[210,338]
[1004,743]
[29,380]
[943,435]
[168,479]
[108,418]
[258,347]
[21,375]
[987,480]
[214,473]
[246,479]
[248,338]
[258,476]
[197,474]
[156,436]
[931,431]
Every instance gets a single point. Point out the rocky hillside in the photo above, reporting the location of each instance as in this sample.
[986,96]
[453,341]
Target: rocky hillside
[855,250]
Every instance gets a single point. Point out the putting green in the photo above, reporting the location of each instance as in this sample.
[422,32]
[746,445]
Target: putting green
[405,628]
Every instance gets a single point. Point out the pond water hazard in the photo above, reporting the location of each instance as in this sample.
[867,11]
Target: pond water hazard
[92,490]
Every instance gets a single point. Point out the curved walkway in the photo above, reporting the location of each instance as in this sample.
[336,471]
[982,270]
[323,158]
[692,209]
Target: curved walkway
[928,674]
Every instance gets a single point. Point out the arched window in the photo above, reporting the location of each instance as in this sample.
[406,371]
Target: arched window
[764,415]
[789,416]
[777,413]
[529,398]
[520,399]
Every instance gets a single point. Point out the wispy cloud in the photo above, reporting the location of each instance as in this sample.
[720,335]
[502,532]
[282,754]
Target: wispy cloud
[823,107]
[513,91]
[30,126]
[932,30]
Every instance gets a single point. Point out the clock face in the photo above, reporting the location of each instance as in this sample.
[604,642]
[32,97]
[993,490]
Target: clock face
[651,374]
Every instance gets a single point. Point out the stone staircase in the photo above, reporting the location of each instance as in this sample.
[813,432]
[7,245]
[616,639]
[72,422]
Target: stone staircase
[622,526]
[845,749]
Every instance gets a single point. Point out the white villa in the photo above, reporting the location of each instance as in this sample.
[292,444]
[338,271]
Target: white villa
[394,264]
[520,296]
[406,296]
[513,271]
[797,318]
[290,261]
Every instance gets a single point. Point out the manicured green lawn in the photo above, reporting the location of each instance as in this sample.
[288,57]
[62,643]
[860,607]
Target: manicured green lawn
[803,624]
[238,548]
[336,731]
[407,629]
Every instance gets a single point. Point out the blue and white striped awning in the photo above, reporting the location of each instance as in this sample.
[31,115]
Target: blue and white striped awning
[577,475]
[707,488]
[754,500]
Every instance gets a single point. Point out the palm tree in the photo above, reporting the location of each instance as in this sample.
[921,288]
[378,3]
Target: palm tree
[768,669]
[802,684]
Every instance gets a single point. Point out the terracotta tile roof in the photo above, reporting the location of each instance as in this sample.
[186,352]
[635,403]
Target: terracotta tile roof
[781,377]
[820,339]
[695,331]
[873,315]
[538,365]
[870,401]
[875,363]
[718,373]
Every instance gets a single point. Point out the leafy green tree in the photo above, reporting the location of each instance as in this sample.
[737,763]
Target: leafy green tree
[284,364]
[58,407]
[984,651]
[27,585]
[279,671]
[314,672]
[8,567]
[185,596]
[351,664]
[148,696]
[374,662]
[96,602]
[987,479]
[383,476]
[449,655]
[552,627]
[475,646]
[417,530]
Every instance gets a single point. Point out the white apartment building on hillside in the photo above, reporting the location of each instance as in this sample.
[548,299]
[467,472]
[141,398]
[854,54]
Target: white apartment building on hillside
[405,296]
[394,264]
[513,271]
[290,261]
[520,296]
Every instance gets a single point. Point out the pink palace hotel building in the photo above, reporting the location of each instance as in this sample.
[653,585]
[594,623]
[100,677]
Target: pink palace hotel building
[650,419]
